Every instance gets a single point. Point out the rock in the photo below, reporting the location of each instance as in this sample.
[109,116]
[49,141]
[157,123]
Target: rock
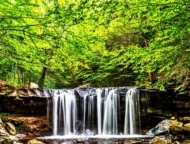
[162,127]
[33,85]
[175,127]
[34,141]
[5,88]
[10,128]
[8,141]
[187,127]
[184,119]
[186,142]
[136,142]
[1,139]
[3,132]
[158,140]
[1,125]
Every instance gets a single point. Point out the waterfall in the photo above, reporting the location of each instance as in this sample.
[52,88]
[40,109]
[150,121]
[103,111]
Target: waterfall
[99,110]
[88,111]
[96,111]
[64,112]
[110,121]
[107,111]
[132,112]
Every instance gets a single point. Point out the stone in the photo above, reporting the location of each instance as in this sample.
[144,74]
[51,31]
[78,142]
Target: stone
[187,127]
[1,139]
[3,132]
[34,141]
[8,141]
[175,127]
[186,142]
[10,128]
[1,125]
[158,140]
[184,119]
[136,142]
[33,85]
[162,127]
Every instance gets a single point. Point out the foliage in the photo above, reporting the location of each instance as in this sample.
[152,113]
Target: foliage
[65,43]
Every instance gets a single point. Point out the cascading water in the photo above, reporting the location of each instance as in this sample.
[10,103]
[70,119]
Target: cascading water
[64,112]
[132,112]
[96,110]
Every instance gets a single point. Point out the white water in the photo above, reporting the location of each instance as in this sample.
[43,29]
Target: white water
[102,108]
[64,112]
[110,121]
[99,108]
[132,112]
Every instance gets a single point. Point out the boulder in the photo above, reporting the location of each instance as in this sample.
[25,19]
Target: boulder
[175,127]
[162,127]
[33,85]
[34,141]
[187,127]
[158,140]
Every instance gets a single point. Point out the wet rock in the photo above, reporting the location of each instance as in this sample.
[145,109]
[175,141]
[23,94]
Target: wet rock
[34,141]
[158,140]
[10,128]
[162,127]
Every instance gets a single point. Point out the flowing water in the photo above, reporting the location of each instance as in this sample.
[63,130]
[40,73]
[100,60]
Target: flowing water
[64,112]
[96,113]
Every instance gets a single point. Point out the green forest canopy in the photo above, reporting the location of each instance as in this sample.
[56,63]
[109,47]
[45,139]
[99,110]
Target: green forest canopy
[66,43]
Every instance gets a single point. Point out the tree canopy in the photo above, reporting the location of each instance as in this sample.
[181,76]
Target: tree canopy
[66,43]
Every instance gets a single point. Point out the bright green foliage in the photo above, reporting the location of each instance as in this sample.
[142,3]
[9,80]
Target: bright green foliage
[65,43]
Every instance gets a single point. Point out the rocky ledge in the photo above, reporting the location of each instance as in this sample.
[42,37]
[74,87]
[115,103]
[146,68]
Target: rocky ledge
[17,128]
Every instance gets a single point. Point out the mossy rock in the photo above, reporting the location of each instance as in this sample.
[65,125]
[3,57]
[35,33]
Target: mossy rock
[34,141]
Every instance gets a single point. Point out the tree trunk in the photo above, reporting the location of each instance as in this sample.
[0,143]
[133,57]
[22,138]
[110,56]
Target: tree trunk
[42,78]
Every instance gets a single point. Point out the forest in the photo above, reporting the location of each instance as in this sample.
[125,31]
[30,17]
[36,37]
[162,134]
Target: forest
[67,43]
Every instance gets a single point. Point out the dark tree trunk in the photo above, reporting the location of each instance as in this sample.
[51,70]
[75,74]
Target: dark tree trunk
[42,78]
